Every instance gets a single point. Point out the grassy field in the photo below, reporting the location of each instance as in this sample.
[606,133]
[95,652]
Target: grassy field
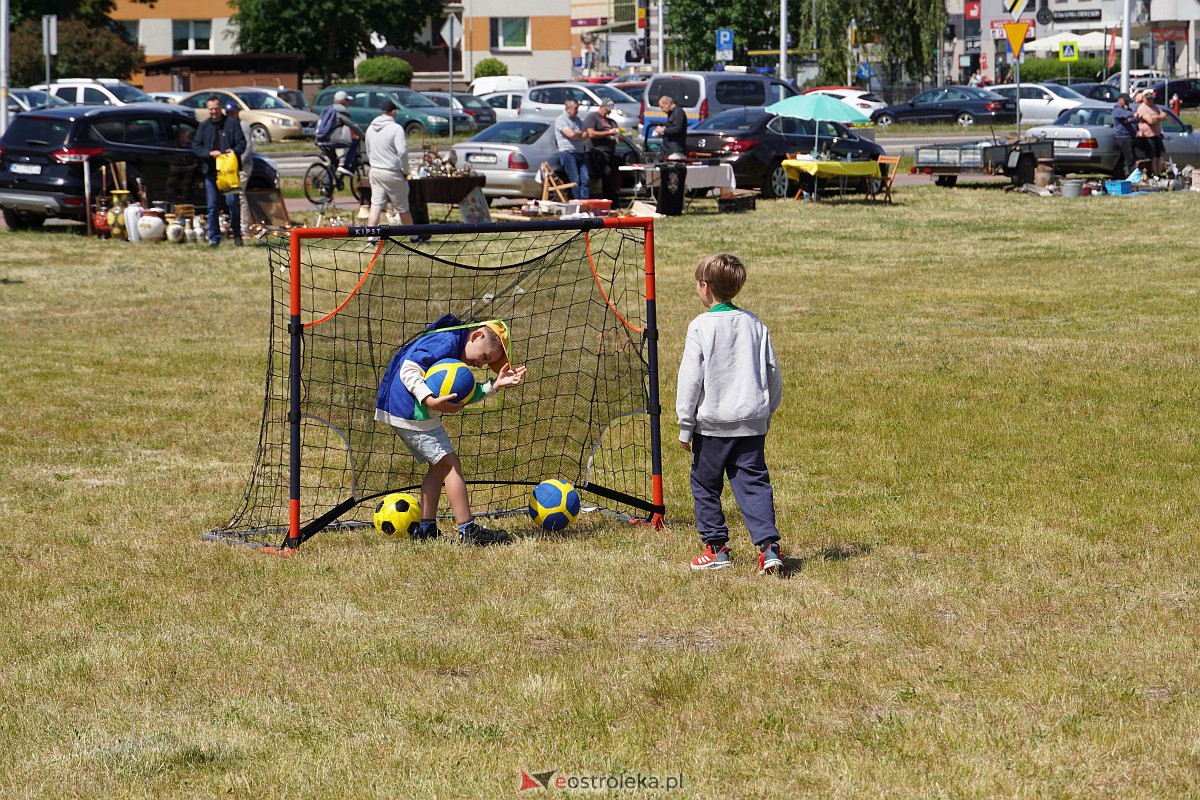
[985,470]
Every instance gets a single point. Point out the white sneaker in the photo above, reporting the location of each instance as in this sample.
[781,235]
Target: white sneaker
[344,171]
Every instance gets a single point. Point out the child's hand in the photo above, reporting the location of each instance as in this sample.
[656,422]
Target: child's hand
[444,405]
[508,377]
[687,446]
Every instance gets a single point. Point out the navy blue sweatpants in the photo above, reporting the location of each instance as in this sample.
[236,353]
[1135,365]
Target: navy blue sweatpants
[743,459]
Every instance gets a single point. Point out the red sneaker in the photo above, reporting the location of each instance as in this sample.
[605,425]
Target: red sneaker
[712,559]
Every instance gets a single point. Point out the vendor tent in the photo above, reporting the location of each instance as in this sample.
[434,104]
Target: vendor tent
[1094,42]
[818,107]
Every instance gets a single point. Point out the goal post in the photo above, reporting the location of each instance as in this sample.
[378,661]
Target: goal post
[578,300]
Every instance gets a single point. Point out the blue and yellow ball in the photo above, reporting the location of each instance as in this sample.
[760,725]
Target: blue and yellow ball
[397,514]
[451,376]
[553,504]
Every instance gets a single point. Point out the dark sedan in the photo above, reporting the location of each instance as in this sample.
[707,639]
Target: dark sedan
[756,142]
[1104,92]
[965,105]
[1188,90]
[483,114]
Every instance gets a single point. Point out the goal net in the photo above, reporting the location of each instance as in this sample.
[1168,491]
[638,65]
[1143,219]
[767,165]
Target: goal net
[577,298]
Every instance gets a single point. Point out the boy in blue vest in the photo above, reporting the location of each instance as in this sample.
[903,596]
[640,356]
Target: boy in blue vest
[729,386]
[407,404]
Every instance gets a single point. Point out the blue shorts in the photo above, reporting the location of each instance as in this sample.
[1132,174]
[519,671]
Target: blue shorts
[429,446]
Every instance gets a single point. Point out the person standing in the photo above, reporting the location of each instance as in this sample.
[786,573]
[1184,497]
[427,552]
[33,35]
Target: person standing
[236,200]
[387,148]
[602,134]
[1125,132]
[216,135]
[674,131]
[975,78]
[1150,118]
[569,135]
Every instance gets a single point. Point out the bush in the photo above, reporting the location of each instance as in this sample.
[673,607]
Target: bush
[490,68]
[385,69]
[1037,70]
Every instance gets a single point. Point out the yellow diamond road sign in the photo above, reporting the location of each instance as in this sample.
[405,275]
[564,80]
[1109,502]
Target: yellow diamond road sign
[1015,7]
[1015,31]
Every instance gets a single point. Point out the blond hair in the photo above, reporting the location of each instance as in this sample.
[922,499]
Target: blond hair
[724,273]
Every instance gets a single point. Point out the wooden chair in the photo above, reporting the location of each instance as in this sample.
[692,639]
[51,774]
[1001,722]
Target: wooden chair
[884,187]
[553,184]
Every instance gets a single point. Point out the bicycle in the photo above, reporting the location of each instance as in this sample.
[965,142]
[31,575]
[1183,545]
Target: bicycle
[321,181]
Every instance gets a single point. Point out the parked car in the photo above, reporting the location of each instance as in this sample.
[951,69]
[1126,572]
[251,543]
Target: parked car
[755,142]
[1041,102]
[705,94]
[860,99]
[966,105]
[479,111]
[634,89]
[1137,74]
[509,154]
[1188,90]
[293,97]
[499,83]
[1091,90]
[20,100]
[168,97]
[548,101]
[270,119]
[417,113]
[42,157]
[94,91]
[505,104]
[1084,141]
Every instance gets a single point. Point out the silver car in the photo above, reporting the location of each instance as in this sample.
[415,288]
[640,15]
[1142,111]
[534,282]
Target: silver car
[1084,141]
[547,101]
[510,153]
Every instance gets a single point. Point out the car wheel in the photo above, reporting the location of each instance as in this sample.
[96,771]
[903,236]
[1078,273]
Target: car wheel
[946,180]
[964,119]
[776,183]
[413,129]
[259,134]
[885,120]
[18,221]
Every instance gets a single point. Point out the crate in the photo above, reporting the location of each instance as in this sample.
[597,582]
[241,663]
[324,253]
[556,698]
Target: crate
[1118,187]
[736,202]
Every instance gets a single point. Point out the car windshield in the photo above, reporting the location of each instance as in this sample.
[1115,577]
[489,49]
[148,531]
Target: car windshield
[1065,92]
[27,130]
[735,119]
[471,101]
[36,99]
[512,132]
[129,94]
[410,99]
[262,100]
[609,93]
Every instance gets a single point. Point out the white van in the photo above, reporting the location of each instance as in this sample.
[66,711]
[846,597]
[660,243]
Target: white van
[499,83]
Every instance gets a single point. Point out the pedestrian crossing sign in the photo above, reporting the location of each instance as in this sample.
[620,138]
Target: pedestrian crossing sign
[1015,7]
[1068,51]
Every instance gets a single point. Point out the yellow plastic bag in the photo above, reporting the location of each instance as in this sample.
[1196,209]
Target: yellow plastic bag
[227,172]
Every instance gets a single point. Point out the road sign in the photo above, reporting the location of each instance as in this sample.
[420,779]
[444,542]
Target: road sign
[1068,51]
[1015,8]
[452,31]
[724,44]
[1015,31]
[1044,16]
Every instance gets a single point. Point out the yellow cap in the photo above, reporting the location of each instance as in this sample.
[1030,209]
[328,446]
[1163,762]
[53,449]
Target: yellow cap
[498,327]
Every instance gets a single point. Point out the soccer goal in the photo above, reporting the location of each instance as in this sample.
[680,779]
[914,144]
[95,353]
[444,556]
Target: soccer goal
[577,298]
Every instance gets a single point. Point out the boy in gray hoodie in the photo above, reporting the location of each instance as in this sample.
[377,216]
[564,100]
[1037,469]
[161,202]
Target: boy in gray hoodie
[729,385]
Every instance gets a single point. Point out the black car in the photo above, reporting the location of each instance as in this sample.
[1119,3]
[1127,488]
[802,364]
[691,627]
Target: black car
[966,105]
[42,157]
[1188,90]
[1105,92]
[483,114]
[755,142]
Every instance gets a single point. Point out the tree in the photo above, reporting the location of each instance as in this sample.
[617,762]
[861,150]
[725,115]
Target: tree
[490,68]
[91,12]
[329,33]
[84,51]
[385,69]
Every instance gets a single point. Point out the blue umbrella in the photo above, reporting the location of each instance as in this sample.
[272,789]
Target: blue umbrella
[818,107]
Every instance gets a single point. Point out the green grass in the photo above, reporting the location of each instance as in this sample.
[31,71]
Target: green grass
[984,469]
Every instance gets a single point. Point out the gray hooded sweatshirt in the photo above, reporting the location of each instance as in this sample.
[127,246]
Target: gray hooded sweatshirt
[387,147]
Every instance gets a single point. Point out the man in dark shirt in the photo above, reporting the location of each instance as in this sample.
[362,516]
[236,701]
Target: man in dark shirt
[674,132]
[216,135]
[1125,131]
[602,137]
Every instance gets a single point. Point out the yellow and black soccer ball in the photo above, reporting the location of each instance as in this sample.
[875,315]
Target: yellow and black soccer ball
[397,514]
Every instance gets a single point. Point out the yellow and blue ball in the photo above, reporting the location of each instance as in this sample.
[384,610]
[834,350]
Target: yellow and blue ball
[451,376]
[553,504]
[397,514]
